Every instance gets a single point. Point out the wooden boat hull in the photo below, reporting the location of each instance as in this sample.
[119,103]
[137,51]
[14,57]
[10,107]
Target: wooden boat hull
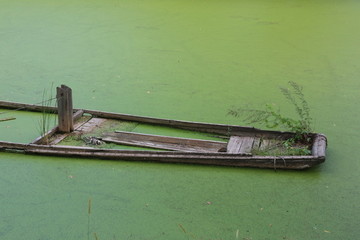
[219,159]
[206,158]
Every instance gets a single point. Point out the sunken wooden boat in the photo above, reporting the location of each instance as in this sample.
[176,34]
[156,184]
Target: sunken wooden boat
[237,146]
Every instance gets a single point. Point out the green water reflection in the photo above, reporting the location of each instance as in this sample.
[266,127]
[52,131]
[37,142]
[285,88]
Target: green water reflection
[182,60]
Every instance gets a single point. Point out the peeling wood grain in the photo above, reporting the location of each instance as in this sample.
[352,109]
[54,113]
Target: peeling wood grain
[163,142]
[240,145]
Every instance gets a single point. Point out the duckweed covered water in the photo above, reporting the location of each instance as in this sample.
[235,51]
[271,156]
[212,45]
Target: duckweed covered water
[190,61]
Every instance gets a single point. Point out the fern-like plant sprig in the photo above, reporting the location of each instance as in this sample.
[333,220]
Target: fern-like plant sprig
[296,97]
[272,117]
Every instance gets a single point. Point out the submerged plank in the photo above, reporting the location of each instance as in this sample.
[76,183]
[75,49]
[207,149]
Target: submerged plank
[91,125]
[164,142]
[43,139]
[59,137]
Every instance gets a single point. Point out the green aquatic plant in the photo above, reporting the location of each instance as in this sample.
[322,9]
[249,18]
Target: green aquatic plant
[272,117]
[301,126]
[282,149]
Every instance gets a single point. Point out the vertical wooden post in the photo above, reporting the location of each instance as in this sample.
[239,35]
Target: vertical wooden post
[65,109]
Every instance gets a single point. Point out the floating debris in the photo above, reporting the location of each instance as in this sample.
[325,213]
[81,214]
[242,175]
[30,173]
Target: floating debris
[182,228]
[93,140]
[7,119]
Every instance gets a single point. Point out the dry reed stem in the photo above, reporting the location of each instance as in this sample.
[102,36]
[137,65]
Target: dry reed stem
[182,228]
[96,237]
[89,206]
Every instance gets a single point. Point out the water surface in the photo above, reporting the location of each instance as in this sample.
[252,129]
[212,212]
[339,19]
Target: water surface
[191,61]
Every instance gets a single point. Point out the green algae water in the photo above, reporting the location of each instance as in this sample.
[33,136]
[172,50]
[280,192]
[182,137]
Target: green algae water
[188,60]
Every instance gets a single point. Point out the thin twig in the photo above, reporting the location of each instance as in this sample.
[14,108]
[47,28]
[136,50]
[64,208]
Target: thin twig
[182,228]
[7,119]
[21,108]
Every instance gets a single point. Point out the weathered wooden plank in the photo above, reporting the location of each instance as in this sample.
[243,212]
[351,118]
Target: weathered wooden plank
[246,145]
[27,107]
[234,144]
[78,114]
[261,145]
[240,145]
[163,142]
[256,143]
[188,125]
[196,126]
[264,144]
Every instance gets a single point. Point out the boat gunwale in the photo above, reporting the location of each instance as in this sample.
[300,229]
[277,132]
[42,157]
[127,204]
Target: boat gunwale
[204,127]
[29,147]
[217,159]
